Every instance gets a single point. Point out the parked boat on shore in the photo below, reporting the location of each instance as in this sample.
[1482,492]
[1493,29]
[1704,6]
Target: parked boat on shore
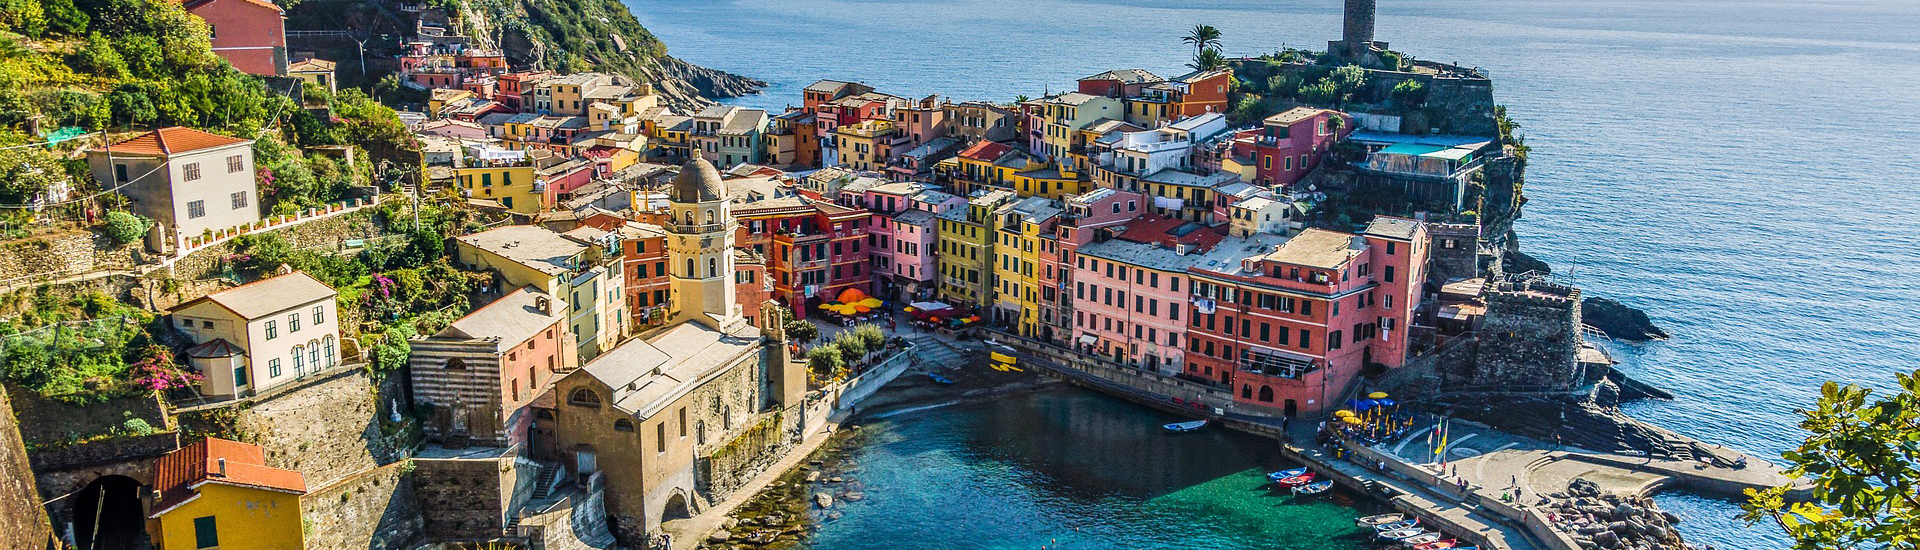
[1297,481]
[1370,521]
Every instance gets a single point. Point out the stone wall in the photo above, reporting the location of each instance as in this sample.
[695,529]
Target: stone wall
[62,254]
[1462,261]
[329,231]
[372,509]
[577,522]
[62,435]
[1529,338]
[328,430]
[471,499]
[23,522]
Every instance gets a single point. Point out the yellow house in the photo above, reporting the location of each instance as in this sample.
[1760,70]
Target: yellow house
[440,97]
[216,493]
[966,238]
[1019,228]
[1067,113]
[865,146]
[511,185]
[584,268]
[1048,182]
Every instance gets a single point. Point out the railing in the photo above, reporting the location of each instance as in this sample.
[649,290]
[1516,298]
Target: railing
[701,228]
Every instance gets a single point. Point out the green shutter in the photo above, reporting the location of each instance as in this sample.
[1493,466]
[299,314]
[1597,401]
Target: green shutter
[204,533]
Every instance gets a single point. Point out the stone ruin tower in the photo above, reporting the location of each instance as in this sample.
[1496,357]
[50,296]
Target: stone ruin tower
[1529,339]
[1356,42]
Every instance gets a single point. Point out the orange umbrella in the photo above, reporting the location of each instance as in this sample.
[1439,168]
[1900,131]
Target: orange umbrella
[852,295]
[861,308]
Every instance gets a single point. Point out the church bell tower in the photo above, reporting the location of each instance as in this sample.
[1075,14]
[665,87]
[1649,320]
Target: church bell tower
[700,249]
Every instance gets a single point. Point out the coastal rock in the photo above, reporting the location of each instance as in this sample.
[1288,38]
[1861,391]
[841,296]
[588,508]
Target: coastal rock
[813,476]
[1618,320]
[719,536]
[729,523]
[854,496]
[823,499]
[1517,262]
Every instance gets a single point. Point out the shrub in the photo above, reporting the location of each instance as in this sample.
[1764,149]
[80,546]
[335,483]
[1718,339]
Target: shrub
[125,227]
[1410,92]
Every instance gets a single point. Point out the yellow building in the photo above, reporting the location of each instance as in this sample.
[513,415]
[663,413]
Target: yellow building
[865,146]
[966,238]
[1018,230]
[1066,114]
[1051,183]
[216,493]
[509,183]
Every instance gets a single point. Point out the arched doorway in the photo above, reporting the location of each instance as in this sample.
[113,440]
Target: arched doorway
[108,515]
[1292,408]
[676,508]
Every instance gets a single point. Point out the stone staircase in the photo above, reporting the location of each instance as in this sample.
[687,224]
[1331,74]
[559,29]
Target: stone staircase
[936,351]
[543,484]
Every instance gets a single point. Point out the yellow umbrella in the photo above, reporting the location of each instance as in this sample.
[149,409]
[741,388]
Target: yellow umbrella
[861,308]
[828,306]
[848,309]
[1342,413]
[870,302]
[908,309]
[1350,419]
[1377,395]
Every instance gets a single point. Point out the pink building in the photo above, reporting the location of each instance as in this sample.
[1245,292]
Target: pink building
[1130,292]
[560,180]
[1290,144]
[903,237]
[1095,214]
[250,34]
[921,122]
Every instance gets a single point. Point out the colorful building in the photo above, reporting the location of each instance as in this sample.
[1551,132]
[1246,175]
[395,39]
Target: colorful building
[1289,145]
[258,336]
[501,175]
[965,257]
[478,375]
[216,493]
[586,276]
[250,34]
[1129,298]
[1022,238]
[1288,327]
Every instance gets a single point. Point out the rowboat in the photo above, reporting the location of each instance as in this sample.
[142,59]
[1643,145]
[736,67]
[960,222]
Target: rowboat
[1315,488]
[1297,481]
[1436,545]
[1283,474]
[1396,526]
[1183,427]
[1422,538]
[1401,534]
[939,379]
[1382,519]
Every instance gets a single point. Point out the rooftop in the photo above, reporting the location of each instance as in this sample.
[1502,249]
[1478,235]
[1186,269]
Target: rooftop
[1402,229]
[214,460]
[1295,114]
[1229,257]
[530,245]
[510,320]
[268,296]
[172,141]
[1147,255]
[648,373]
[914,216]
[985,151]
[1172,176]
[1319,248]
[1127,76]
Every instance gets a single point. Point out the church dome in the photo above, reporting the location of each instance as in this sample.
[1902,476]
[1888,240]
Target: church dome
[698,181]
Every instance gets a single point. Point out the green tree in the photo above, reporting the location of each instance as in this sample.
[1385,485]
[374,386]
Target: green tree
[1863,459]
[825,359]
[1202,38]
[1208,60]
[64,18]
[23,16]
[100,58]
[1410,92]
[1348,80]
[26,172]
[801,330]
[126,227]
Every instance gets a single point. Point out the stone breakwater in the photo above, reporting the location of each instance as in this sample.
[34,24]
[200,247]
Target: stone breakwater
[1609,521]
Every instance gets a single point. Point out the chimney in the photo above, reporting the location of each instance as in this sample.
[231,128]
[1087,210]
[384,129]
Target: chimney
[223,467]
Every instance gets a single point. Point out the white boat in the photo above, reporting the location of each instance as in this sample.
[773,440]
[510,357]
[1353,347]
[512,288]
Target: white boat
[1182,427]
[1382,519]
[1402,534]
[1396,526]
[1420,539]
[1314,488]
[1283,474]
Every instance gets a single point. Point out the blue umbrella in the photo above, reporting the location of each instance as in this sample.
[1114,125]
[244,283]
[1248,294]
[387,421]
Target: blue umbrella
[1387,402]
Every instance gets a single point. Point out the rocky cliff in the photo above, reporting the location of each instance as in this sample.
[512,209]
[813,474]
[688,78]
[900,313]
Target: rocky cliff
[595,35]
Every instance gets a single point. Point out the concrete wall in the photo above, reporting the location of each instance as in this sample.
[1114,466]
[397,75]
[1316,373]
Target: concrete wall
[23,522]
[328,430]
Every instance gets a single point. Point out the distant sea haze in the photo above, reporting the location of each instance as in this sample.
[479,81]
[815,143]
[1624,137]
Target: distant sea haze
[1743,170]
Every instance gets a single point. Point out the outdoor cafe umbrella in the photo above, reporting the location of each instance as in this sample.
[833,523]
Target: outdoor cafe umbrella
[1342,413]
[870,302]
[1377,395]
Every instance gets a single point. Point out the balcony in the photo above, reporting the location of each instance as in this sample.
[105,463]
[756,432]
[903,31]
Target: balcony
[1276,363]
[702,228]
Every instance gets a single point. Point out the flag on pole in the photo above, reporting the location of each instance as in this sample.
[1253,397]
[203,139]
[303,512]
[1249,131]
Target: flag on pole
[1442,449]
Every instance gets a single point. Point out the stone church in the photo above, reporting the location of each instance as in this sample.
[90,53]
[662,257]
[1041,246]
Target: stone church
[674,420]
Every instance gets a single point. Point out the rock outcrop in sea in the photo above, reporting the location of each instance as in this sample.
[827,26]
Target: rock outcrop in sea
[1618,320]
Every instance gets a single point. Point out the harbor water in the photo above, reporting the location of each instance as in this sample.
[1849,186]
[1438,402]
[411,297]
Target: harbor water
[1743,170]
[1072,469]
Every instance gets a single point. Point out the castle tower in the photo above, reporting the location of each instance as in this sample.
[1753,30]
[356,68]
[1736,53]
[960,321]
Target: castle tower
[1357,27]
[700,248]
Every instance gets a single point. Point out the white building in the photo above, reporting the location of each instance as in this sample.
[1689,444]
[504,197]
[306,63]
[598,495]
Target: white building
[1170,146]
[190,182]
[254,337]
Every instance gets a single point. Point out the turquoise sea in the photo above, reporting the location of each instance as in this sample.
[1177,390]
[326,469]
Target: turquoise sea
[1744,170]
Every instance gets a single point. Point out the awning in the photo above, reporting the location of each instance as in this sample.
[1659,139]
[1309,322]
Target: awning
[1088,339]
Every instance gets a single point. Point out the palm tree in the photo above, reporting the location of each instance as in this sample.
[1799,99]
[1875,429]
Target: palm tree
[1202,37]
[1208,60]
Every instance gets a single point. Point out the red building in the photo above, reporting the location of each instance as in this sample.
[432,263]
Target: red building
[1290,144]
[515,90]
[812,249]
[1288,327]
[1201,92]
[250,34]
[1122,83]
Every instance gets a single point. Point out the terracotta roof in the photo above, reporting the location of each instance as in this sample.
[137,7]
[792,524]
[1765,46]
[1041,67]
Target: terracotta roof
[172,141]
[986,151]
[177,475]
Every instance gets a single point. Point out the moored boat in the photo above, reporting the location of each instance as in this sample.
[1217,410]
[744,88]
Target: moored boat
[1183,427]
[1297,481]
[1314,488]
[1436,545]
[1422,538]
[1382,519]
[1283,474]
[1401,534]
[1396,526]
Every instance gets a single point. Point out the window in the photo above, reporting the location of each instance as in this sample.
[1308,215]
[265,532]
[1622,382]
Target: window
[583,397]
[205,533]
[623,425]
[239,200]
[235,164]
[1389,274]
[1390,247]
[196,209]
[239,376]
[683,421]
[120,173]
[273,367]
[293,322]
[328,343]
[660,437]
[190,172]
[272,330]
[313,354]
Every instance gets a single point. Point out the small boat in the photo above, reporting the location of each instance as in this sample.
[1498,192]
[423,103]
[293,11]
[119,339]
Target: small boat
[1396,526]
[1183,427]
[1420,539]
[1382,519]
[1436,545]
[1401,534]
[1297,481]
[1315,488]
[1283,474]
[939,379]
